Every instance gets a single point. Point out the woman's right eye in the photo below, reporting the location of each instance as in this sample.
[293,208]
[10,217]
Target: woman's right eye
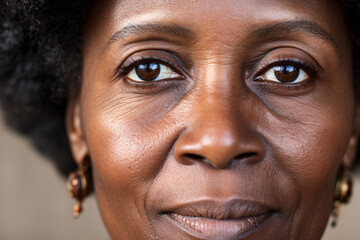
[151,71]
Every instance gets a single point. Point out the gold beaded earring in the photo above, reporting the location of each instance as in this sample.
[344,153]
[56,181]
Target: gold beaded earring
[343,192]
[79,186]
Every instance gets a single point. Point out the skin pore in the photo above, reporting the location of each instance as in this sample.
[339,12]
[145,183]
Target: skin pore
[214,146]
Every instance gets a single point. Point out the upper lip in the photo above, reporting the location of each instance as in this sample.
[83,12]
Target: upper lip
[221,210]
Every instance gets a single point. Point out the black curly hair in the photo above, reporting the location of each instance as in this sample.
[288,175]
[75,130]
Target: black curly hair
[40,57]
[40,67]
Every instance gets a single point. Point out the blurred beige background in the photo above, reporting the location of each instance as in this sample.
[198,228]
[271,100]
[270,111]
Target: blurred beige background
[34,202]
[33,198]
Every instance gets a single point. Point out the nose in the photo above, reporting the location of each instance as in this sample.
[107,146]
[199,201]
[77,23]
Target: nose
[220,132]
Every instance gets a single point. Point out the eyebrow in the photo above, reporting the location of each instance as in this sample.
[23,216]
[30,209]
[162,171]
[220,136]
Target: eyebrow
[180,32]
[172,30]
[287,27]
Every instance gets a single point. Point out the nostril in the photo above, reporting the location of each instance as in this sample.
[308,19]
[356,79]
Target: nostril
[246,156]
[190,158]
[250,157]
[193,156]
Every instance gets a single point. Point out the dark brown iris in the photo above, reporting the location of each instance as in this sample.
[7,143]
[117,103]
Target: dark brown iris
[148,71]
[286,73]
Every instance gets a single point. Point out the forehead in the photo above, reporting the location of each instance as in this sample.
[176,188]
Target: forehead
[215,10]
[206,16]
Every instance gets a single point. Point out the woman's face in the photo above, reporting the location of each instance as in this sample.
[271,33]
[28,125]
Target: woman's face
[213,119]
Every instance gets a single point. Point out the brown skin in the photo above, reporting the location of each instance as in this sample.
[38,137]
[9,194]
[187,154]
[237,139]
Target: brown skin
[218,129]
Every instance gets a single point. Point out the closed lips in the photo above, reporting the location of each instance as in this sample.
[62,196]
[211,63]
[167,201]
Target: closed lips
[220,220]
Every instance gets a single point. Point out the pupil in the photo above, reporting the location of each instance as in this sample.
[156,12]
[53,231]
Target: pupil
[148,71]
[286,73]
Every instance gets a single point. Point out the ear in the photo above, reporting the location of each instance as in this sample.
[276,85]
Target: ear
[351,152]
[75,133]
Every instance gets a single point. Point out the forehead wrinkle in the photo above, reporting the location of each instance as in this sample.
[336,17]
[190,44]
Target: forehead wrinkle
[288,27]
[172,30]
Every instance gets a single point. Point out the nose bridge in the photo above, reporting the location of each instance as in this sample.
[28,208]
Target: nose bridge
[217,109]
[218,131]
[219,90]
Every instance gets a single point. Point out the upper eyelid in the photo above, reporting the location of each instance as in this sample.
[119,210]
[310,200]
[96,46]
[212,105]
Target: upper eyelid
[282,53]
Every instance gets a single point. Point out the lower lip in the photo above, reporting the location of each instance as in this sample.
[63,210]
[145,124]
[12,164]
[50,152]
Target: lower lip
[208,228]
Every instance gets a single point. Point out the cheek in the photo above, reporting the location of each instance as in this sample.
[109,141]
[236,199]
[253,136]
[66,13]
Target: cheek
[311,133]
[309,142]
[128,141]
[313,147]
[120,177]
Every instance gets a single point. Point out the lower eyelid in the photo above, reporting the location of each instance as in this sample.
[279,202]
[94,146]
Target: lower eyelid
[280,89]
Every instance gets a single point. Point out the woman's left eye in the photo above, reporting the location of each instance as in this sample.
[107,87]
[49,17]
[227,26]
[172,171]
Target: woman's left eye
[285,74]
[151,71]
